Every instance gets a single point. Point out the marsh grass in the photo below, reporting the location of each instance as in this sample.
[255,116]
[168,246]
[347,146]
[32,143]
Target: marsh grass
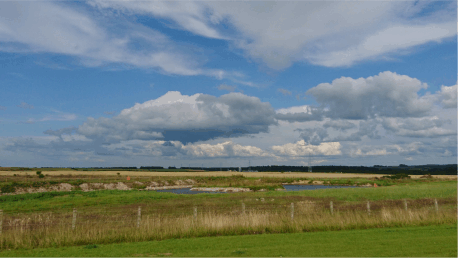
[54,230]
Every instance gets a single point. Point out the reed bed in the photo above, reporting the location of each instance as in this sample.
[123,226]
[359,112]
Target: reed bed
[55,230]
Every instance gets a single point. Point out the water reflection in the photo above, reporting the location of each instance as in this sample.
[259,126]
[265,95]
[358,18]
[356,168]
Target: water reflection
[185,191]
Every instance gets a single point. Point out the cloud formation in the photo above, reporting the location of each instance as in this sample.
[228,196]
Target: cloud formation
[184,118]
[53,27]
[306,30]
[384,95]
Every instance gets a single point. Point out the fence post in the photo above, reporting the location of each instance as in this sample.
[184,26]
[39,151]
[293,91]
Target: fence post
[292,211]
[405,204]
[139,216]
[243,208]
[1,221]
[436,205]
[368,208]
[331,206]
[195,212]
[74,219]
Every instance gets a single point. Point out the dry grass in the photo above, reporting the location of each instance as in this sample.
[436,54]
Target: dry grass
[48,230]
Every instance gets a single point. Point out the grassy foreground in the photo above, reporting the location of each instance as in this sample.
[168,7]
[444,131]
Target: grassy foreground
[428,241]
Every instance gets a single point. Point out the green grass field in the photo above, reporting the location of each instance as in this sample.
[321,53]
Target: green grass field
[66,201]
[427,241]
[44,220]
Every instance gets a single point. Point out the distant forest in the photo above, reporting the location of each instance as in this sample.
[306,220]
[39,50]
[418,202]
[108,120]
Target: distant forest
[433,169]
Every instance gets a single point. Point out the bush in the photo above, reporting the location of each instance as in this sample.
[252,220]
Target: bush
[8,189]
[41,176]
[38,173]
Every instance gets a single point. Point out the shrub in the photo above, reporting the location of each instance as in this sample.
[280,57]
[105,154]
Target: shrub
[38,173]
[8,188]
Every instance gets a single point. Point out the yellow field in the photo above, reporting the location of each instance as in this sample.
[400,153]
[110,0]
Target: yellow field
[209,173]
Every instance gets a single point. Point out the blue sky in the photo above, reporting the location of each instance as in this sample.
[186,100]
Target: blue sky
[137,83]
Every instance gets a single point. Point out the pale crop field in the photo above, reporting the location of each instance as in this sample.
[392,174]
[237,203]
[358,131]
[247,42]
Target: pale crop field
[211,173]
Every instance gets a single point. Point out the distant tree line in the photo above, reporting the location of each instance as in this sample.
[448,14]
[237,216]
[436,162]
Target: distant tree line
[433,169]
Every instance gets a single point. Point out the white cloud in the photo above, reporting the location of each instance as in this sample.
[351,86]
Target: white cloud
[301,148]
[448,96]
[387,41]
[225,149]
[418,127]
[300,114]
[52,27]
[384,95]
[185,118]
[188,15]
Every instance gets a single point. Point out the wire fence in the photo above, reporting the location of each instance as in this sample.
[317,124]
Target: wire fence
[133,216]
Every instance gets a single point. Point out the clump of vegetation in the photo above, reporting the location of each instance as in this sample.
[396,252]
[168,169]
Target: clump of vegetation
[8,188]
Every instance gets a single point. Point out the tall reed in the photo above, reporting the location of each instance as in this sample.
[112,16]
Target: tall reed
[51,230]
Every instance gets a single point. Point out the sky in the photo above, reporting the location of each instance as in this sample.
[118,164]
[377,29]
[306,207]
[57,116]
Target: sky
[227,83]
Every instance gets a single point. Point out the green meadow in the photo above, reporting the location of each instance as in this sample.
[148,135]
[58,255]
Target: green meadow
[426,241]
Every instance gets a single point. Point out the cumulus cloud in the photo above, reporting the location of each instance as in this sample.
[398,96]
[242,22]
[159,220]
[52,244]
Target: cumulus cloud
[225,149]
[448,96]
[184,118]
[384,95]
[300,114]
[25,106]
[417,127]
[341,125]
[301,148]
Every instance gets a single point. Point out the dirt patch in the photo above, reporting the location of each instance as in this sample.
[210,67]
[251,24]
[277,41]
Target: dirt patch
[122,186]
[180,182]
[85,187]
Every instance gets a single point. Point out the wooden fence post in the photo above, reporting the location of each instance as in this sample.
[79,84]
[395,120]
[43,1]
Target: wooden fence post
[74,219]
[368,208]
[195,212]
[405,204]
[139,216]
[1,221]
[436,205]
[331,207]
[243,208]
[292,211]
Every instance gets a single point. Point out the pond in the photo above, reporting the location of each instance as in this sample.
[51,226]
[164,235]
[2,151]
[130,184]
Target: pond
[287,188]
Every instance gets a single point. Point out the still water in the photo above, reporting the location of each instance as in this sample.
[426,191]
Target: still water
[287,188]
